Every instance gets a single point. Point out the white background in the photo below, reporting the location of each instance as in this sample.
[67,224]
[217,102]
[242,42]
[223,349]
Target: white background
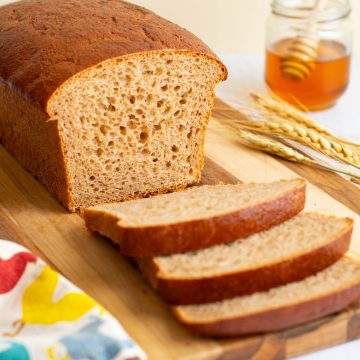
[227,26]
[238,27]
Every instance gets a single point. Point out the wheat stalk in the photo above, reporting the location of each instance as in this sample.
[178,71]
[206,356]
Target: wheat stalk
[306,137]
[286,130]
[277,148]
[272,146]
[287,112]
[285,122]
[322,141]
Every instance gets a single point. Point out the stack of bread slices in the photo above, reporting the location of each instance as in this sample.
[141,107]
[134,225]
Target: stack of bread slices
[236,259]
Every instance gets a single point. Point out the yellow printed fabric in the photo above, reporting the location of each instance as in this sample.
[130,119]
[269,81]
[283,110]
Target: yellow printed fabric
[38,306]
[44,316]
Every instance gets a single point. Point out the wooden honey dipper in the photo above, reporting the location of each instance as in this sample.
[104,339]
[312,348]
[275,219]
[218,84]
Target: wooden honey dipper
[299,60]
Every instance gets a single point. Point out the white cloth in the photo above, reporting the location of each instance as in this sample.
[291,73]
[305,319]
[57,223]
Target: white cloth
[44,316]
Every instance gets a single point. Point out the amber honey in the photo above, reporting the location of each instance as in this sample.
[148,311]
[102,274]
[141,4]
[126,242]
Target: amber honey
[322,87]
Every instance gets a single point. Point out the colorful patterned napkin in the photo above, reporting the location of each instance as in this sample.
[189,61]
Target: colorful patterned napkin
[44,316]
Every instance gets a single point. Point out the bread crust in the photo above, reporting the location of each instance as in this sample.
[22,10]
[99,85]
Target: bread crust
[35,141]
[196,234]
[217,288]
[276,319]
[46,42]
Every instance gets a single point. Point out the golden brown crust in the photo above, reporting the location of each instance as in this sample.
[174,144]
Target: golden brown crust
[217,288]
[197,234]
[35,142]
[45,42]
[276,319]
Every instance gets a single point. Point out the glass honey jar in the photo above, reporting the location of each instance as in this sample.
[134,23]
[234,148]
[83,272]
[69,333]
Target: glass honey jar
[308,51]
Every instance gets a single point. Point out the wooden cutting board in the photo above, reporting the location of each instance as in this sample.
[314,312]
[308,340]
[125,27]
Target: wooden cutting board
[29,215]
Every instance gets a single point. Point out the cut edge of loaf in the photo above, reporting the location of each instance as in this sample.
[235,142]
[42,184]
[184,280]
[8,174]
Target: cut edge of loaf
[111,137]
[280,317]
[198,290]
[193,235]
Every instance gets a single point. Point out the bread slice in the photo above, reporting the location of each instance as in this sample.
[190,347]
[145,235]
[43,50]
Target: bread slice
[196,218]
[324,293]
[288,252]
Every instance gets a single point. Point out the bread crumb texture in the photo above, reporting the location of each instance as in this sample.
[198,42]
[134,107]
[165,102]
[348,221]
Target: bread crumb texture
[197,203]
[295,237]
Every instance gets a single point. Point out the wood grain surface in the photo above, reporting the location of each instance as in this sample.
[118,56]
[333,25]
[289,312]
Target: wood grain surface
[28,215]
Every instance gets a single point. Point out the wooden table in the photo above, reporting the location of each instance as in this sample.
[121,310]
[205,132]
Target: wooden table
[28,215]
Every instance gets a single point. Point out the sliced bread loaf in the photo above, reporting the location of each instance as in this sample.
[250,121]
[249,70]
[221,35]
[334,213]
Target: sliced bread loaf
[288,252]
[103,100]
[196,218]
[324,293]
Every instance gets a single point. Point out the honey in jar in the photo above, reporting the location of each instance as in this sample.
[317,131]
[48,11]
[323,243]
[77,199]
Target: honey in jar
[328,70]
[326,82]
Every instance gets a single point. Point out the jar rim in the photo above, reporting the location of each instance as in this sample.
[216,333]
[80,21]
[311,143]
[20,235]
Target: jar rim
[303,9]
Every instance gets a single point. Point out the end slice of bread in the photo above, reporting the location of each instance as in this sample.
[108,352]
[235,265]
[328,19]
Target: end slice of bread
[324,293]
[196,218]
[291,251]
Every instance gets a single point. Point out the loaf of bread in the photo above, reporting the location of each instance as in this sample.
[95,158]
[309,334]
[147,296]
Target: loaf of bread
[103,100]
[324,293]
[300,247]
[196,218]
